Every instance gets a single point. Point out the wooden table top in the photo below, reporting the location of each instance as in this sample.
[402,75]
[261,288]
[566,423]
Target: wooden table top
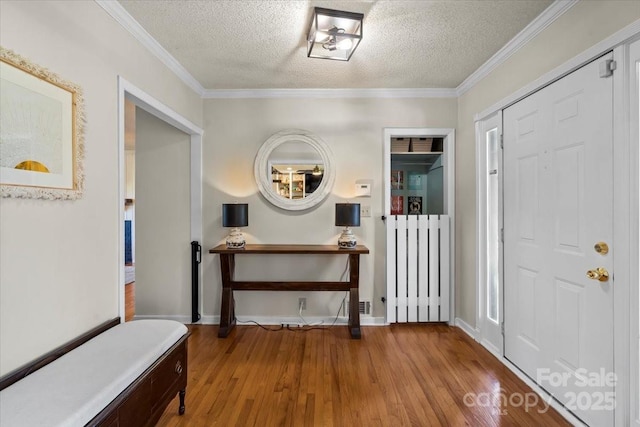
[290,249]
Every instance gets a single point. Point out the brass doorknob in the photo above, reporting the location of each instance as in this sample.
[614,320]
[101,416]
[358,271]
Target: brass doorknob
[599,273]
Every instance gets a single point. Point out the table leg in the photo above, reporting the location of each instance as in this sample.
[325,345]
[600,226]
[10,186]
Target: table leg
[227,311]
[354,296]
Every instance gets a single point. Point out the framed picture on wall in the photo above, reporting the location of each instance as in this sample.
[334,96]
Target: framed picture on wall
[415,205]
[414,181]
[41,132]
[397,180]
[397,205]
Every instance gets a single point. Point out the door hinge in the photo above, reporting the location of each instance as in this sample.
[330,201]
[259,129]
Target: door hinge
[606,68]
[501,141]
[502,235]
[502,328]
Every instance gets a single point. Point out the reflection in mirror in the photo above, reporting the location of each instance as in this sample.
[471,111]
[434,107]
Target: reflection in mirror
[293,169]
[295,181]
[296,169]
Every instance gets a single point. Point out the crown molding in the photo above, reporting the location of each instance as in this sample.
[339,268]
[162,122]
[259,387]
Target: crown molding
[625,35]
[329,93]
[548,16]
[535,27]
[127,21]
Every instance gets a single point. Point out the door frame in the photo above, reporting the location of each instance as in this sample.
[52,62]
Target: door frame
[634,130]
[632,91]
[625,202]
[449,162]
[130,92]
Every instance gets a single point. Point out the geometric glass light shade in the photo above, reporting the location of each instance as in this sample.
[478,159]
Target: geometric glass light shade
[347,215]
[235,215]
[334,34]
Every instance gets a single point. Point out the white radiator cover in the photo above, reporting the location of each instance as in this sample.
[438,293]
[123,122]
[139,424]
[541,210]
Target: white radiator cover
[418,284]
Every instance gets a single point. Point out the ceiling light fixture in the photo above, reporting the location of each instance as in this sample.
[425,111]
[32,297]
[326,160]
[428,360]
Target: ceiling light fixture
[334,34]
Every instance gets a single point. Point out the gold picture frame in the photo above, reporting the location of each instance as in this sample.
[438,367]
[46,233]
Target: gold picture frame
[41,132]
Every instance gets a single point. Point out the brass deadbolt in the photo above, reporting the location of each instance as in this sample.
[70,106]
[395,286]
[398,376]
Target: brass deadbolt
[602,248]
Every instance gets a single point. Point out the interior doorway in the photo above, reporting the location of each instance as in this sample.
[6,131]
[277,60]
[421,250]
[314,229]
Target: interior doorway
[162,219]
[129,210]
[419,210]
[145,102]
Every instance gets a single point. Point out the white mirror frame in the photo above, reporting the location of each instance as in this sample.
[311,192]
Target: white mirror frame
[263,176]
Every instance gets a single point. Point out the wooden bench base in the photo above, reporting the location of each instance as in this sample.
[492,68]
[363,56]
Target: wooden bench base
[144,401]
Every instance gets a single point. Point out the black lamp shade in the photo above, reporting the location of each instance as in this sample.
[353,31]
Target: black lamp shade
[348,214]
[235,214]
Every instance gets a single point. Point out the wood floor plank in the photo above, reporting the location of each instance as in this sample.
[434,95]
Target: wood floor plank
[399,375]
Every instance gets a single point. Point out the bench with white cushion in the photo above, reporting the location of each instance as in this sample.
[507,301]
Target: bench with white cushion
[125,375]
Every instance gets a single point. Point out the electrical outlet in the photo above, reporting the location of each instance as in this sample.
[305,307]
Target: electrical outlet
[365,210]
[302,303]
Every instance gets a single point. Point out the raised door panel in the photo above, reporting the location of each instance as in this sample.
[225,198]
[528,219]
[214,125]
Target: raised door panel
[524,233]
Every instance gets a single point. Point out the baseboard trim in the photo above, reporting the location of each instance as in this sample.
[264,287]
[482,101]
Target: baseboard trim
[177,318]
[543,394]
[372,321]
[491,348]
[467,328]
[269,320]
[209,320]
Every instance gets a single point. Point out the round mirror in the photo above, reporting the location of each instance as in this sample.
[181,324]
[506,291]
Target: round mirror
[293,170]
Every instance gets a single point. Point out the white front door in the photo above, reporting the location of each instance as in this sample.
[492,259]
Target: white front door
[558,186]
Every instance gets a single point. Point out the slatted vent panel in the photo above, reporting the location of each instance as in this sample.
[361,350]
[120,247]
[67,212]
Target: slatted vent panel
[365,307]
[417,268]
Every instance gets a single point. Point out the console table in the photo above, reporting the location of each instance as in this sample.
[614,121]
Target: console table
[227,269]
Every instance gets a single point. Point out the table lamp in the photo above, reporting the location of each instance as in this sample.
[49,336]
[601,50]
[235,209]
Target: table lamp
[235,215]
[347,215]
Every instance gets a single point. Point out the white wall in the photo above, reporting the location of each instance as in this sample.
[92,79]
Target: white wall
[163,215]
[353,128]
[584,25]
[59,259]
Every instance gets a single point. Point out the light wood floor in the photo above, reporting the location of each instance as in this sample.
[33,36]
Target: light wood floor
[401,375]
[129,301]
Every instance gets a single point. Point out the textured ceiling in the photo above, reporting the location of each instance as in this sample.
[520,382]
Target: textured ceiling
[260,44]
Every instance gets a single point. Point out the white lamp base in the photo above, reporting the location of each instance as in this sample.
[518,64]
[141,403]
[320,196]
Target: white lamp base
[347,240]
[235,239]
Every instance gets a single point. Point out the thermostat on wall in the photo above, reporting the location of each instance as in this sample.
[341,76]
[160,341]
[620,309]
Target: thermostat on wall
[363,189]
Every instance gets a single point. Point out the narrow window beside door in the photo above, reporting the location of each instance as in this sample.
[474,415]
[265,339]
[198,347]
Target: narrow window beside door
[493,232]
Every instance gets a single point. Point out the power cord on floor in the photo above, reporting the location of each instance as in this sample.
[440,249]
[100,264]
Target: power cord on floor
[304,321]
[266,328]
[310,327]
[314,325]
[306,326]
